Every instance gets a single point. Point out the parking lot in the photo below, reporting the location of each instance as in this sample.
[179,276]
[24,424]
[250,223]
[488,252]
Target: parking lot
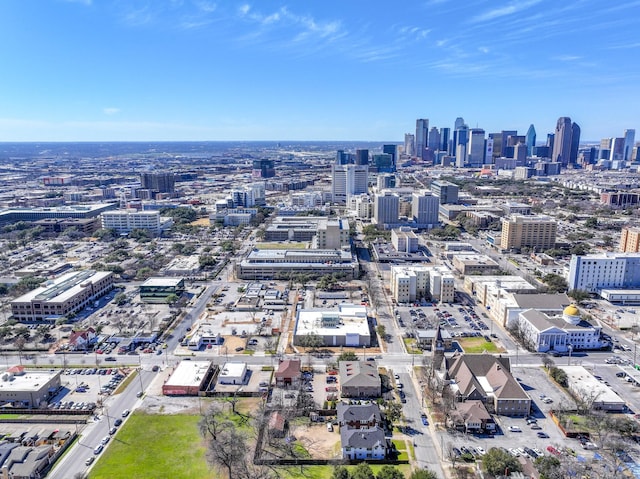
[83,388]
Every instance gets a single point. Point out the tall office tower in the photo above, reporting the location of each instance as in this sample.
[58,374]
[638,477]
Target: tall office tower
[424,209]
[158,182]
[422,133]
[393,151]
[629,142]
[445,191]
[575,143]
[433,143]
[461,140]
[342,158]
[409,144]
[445,134]
[347,181]
[259,196]
[488,151]
[383,163]
[506,134]
[386,207]
[520,154]
[605,149]
[459,123]
[497,144]
[519,231]
[550,141]
[562,141]
[630,240]
[530,139]
[263,169]
[476,148]
[616,151]
[362,157]
[599,271]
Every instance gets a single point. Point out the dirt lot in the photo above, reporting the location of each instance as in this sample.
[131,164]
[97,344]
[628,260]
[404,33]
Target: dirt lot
[320,443]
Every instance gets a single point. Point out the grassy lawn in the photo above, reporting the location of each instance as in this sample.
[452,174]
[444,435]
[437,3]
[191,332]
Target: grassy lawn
[155,446]
[324,472]
[478,345]
[410,344]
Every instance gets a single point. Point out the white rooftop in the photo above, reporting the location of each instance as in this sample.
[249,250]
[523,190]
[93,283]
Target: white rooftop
[189,373]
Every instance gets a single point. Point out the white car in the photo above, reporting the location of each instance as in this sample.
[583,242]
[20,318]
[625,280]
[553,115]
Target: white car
[481,450]
[515,429]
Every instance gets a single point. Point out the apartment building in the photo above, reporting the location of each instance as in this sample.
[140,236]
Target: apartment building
[521,231]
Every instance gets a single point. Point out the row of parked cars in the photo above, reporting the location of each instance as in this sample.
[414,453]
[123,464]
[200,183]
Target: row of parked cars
[72,406]
[89,371]
[112,384]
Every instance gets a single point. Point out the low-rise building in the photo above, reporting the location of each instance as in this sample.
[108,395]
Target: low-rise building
[348,326]
[125,221]
[282,264]
[288,374]
[62,296]
[585,386]
[486,378]
[543,333]
[233,373]
[474,264]
[189,378]
[22,388]
[359,379]
[157,290]
[361,433]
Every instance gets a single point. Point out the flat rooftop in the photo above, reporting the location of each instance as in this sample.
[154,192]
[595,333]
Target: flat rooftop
[29,381]
[189,373]
[162,282]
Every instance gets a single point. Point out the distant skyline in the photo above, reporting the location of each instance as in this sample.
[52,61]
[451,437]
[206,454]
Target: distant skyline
[183,70]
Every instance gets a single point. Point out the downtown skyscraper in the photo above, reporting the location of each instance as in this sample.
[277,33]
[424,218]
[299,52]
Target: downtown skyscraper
[565,142]
[422,135]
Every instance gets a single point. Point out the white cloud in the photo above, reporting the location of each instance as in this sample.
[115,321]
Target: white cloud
[244,9]
[509,9]
[566,58]
[111,111]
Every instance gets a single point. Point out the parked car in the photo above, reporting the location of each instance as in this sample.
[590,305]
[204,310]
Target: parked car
[125,413]
[515,429]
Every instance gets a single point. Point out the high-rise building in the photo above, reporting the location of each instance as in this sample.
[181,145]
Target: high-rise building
[461,140]
[347,181]
[393,151]
[459,123]
[445,136]
[422,134]
[519,231]
[386,181]
[600,271]
[520,154]
[575,143]
[386,207]
[629,142]
[424,209]
[342,158]
[630,240]
[476,148]
[433,143]
[158,182]
[616,151]
[530,140]
[445,191]
[488,151]
[562,141]
[383,163]
[409,144]
[263,169]
[362,157]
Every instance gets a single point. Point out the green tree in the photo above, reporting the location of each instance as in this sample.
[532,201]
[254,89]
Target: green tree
[340,472]
[497,461]
[382,331]
[393,411]
[423,474]
[171,299]
[389,472]
[591,222]
[555,283]
[347,356]
[579,295]
[549,467]
[311,341]
[362,471]
[120,299]
[559,376]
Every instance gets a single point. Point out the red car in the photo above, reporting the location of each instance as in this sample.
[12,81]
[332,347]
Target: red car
[331,389]
[553,450]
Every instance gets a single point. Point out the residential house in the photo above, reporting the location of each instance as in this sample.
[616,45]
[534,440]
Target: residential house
[81,340]
[486,378]
[277,425]
[360,379]
[363,444]
[288,373]
[473,417]
[359,416]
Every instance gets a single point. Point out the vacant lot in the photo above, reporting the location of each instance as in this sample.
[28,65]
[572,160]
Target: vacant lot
[154,447]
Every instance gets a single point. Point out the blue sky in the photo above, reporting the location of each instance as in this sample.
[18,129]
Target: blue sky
[84,70]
